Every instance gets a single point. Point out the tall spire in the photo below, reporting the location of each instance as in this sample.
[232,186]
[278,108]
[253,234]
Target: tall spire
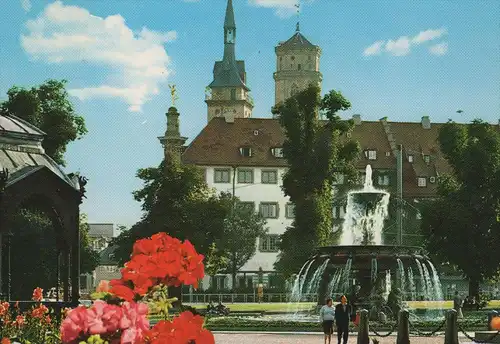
[229,21]
[298,16]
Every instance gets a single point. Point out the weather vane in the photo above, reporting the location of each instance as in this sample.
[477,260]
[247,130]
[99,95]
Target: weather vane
[297,5]
[173,94]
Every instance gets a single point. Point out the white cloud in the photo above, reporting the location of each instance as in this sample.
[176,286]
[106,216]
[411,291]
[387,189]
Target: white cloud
[428,35]
[374,49]
[439,49]
[402,46]
[70,34]
[26,5]
[399,47]
[283,8]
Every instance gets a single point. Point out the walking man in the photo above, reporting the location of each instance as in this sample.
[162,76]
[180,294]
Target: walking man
[342,317]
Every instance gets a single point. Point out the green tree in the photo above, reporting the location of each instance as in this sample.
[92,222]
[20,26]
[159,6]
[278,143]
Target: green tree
[48,108]
[242,228]
[176,200]
[462,224]
[316,151]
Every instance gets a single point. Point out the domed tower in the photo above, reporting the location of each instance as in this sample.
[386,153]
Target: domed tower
[297,66]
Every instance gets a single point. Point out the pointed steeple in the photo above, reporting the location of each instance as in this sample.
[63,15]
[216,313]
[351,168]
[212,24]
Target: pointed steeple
[229,21]
[297,29]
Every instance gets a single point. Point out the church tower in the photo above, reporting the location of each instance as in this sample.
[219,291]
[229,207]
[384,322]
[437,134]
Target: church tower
[297,66]
[227,95]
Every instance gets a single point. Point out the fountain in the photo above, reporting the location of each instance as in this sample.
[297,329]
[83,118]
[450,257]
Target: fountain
[362,266]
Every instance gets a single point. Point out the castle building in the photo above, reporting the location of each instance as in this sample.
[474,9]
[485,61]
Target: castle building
[243,155]
[297,66]
[228,95]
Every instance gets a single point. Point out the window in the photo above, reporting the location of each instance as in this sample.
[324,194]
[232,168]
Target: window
[245,176]
[246,151]
[269,243]
[233,94]
[269,177]
[269,210]
[387,153]
[383,180]
[293,58]
[222,175]
[248,206]
[339,179]
[290,211]
[309,58]
[410,158]
[432,179]
[371,154]
[427,159]
[277,152]
[422,182]
[299,67]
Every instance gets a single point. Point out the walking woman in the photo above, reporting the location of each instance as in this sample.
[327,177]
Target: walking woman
[326,317]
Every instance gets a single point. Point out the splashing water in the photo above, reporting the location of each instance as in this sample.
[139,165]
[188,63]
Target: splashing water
[423,289]
[374,269]
[295,296]
[438,291]
[334,283]
[316,278]
[428,282]
[366,211]
[411,283]
[401,276]
[388,283]
[346,275]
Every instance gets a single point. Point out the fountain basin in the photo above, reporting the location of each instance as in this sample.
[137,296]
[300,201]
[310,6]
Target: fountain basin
[362,255]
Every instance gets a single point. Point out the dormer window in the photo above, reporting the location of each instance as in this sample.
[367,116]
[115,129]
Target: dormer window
[246,151]
[371,154]
[277,152]
[427,159]
[410,158]
[422,182]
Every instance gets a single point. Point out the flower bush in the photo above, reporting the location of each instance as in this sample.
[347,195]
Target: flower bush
[32,326]
[119,313]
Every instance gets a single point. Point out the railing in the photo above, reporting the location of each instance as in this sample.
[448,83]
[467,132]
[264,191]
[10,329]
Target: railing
[244,298]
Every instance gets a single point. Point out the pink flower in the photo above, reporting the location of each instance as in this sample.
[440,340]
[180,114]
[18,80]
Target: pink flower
[134,322]
[75,324]
[103,286]
[94,317]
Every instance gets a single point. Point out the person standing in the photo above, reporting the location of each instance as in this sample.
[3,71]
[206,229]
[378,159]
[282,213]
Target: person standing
[327,317]
[457,305]
[343,313]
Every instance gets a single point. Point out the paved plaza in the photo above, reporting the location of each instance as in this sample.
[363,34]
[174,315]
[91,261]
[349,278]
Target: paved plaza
[267,338]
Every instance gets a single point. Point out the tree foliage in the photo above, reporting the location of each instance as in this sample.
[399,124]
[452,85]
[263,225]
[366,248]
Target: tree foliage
[48,108]
[462,225]
[176,199]
[316,150]
[242,228]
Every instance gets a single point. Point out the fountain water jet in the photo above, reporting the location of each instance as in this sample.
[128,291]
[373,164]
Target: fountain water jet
[362,264]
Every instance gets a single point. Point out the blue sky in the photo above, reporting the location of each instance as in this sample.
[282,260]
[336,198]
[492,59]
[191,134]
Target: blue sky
[400,59]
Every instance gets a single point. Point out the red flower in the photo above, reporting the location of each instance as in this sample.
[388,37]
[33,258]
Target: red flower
[37,294]
[39,311]
[159,259]
[5,341]
[182,330]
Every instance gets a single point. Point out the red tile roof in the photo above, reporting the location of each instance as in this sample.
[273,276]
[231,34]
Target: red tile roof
[219,142]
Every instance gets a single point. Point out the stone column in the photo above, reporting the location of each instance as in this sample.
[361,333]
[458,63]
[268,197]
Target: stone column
[403,327]
[451,334]
[363,331]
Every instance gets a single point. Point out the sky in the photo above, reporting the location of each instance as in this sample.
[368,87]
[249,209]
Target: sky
[400,59]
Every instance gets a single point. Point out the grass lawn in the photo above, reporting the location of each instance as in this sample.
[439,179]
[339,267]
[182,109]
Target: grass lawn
[284,307]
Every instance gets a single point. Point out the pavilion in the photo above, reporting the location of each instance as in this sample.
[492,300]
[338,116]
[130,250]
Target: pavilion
[29,177]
